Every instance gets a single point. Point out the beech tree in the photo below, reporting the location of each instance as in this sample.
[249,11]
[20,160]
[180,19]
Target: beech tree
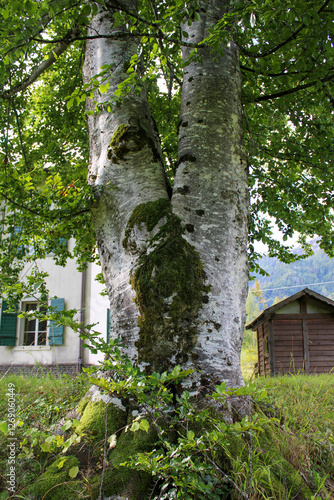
[193,109]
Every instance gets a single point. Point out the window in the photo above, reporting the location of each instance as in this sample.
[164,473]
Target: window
[31,331]
[35,329]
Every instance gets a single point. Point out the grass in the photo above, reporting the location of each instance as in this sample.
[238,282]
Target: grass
[39,403]
[303,408]
[248,360]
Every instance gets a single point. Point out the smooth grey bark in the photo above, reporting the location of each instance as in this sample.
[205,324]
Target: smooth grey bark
[121,182]
[211,194]
[210,199]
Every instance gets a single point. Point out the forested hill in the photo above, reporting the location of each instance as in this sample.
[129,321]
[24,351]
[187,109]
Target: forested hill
[287,279]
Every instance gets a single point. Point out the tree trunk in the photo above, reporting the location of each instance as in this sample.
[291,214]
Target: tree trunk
[125,170]
[211,195]
[175,270]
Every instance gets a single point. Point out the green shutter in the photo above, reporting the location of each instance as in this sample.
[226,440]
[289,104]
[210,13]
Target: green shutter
[108,325]
[63,241]
[56,331]
[17,236]
[8,322]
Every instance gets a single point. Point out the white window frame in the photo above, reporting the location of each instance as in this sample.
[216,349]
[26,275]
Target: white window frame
[21,330]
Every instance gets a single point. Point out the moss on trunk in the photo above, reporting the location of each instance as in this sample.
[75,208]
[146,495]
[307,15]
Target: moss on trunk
[122,480]
[129,138]
[169,281]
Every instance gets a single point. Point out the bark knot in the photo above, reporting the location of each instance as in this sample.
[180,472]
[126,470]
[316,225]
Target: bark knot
[129,138]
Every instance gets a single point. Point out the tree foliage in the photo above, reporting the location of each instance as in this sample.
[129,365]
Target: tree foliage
[286,53]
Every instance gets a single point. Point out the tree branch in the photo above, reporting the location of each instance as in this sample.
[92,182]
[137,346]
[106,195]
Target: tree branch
[291,91]
[55,214]
[38,70]
[280,45]
[115,36]
[20,133]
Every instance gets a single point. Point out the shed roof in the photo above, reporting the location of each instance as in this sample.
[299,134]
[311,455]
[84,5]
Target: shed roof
[306,292]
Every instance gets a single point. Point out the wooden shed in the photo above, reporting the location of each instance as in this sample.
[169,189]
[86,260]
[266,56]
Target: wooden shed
[296,334]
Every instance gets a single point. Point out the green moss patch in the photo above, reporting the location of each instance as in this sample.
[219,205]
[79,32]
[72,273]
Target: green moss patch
[56,483]
[92,422]
[127,138]
[147,214]
[122,480]
[169,281]
[82,405]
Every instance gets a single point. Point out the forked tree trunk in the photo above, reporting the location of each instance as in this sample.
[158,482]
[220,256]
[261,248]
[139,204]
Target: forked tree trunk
[175,269]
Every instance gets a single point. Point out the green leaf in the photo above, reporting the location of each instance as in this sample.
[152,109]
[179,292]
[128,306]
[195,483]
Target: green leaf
[67,425]
[61,463]
[135,426]
[70,103]
[5,13]
[190,435]
[59,441]
[46,447]
[4,427]
[73,472]
[307,19]
[103,89]
[176,371]
[144,425]
[112,440]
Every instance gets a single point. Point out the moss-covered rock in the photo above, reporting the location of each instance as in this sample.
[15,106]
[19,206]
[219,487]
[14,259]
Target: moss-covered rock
[56,483]
[169,281]
[122,480]
[82,405]
[92,422]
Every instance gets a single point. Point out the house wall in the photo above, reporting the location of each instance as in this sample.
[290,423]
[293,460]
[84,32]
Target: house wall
[95,312]
[63,282]
[321,344]
[263,348]
[288,345]
[259,334]
[300,337]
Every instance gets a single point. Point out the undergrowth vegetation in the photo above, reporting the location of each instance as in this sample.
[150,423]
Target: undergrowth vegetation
[304,407]
[40,402]
[167,444]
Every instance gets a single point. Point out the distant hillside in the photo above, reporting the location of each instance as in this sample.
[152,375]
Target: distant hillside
[288,279]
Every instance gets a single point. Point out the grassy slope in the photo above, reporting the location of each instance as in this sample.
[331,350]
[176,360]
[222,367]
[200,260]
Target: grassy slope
[40,402]
[303,406]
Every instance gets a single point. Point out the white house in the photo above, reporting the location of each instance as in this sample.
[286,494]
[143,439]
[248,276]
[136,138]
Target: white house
[27,345]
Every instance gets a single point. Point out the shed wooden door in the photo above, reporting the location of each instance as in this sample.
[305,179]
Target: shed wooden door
[321,344]
[288,345]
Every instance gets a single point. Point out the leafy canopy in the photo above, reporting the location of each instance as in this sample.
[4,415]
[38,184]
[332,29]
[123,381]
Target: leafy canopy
[287,62]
